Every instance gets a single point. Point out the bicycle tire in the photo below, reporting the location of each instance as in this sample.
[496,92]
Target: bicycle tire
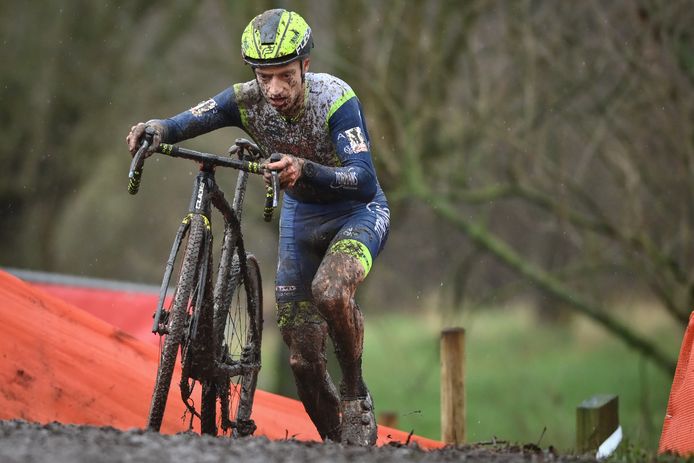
[178,314]
[197,348]
[196,344]
[244,407]
[238,331]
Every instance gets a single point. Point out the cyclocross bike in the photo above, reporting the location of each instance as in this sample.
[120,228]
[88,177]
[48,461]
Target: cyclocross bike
[217,329]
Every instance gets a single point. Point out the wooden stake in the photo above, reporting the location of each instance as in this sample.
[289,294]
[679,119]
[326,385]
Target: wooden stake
[597,419]
[453,386]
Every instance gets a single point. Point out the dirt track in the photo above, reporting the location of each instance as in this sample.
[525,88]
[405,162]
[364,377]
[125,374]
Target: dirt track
[25,442]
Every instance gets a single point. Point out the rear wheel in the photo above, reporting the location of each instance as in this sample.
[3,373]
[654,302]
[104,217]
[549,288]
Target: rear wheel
[238,331]
[178,319]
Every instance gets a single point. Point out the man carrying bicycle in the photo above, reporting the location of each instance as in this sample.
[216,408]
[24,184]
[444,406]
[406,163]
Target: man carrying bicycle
[335,217]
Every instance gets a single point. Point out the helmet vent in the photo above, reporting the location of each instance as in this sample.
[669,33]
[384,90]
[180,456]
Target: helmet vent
[268,23]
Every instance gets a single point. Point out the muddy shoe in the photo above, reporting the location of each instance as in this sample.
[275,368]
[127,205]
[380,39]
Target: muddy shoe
[358,422]
[334,435]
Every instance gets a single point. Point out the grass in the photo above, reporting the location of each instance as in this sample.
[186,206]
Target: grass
[523,380]
[631,452]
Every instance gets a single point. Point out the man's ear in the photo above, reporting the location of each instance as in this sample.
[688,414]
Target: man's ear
[307,61]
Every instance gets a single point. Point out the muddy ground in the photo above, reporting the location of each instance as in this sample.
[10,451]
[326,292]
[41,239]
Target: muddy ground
[25,442]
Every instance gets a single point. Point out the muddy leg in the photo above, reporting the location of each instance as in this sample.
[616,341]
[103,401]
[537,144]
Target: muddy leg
[316,390]
[333,291]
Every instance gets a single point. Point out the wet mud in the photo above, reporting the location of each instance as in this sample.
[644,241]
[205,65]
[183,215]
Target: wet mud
[25,442]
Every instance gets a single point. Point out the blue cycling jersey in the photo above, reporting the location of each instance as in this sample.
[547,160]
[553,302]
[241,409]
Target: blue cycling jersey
[338,196]
[330,131]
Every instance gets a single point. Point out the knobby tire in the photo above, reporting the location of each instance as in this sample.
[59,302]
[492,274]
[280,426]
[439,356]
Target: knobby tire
[177,320]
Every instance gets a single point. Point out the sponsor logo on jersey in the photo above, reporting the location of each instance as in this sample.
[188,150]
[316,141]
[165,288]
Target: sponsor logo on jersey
[345,179]
[285,289]
[357,141]
[349,233]
[203,107]
[382,218]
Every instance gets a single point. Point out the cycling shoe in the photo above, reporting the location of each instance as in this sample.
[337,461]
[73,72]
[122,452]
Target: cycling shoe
[359,422]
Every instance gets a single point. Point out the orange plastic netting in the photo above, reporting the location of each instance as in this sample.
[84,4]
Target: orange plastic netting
[62,363]
[678,426]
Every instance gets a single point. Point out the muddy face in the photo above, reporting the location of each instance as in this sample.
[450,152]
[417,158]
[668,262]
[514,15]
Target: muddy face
[283,87]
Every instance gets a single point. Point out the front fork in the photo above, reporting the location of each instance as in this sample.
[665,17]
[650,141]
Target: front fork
[203,186]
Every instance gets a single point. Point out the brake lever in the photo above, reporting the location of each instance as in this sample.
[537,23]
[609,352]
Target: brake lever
[275,180]
[273,191]
[249,146]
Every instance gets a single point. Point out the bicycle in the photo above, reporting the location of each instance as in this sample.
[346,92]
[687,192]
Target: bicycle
[219,336]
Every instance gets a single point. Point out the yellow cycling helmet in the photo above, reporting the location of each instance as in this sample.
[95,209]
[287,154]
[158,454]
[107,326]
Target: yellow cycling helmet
[276,37]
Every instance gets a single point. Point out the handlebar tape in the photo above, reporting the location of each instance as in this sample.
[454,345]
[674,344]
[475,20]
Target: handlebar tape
[134,182]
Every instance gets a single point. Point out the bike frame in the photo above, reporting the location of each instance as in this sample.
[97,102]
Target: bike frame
[205,194]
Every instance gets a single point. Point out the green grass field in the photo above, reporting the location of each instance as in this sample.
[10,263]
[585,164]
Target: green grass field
[523,379]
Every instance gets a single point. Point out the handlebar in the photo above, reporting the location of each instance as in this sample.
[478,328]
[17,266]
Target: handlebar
[137,164]
[253,167]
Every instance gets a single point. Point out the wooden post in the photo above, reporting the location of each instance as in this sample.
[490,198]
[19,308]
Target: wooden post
[453,386]
[597,419]
[388,418]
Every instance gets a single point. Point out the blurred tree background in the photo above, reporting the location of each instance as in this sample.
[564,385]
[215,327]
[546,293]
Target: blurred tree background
[532,151]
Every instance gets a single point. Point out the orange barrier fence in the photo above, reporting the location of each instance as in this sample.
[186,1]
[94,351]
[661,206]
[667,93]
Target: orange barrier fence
[131,311]
[678,426]
[61,363]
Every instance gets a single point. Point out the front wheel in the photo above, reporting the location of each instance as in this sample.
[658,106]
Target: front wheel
[178,317]
[238,332]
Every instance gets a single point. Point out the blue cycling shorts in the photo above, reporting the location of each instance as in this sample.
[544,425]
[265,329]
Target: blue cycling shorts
[308,231]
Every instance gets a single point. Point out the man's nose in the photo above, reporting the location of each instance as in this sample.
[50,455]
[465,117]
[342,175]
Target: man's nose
[275,86]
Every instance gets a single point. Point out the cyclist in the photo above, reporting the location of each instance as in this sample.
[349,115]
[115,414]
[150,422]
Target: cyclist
[334,219]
